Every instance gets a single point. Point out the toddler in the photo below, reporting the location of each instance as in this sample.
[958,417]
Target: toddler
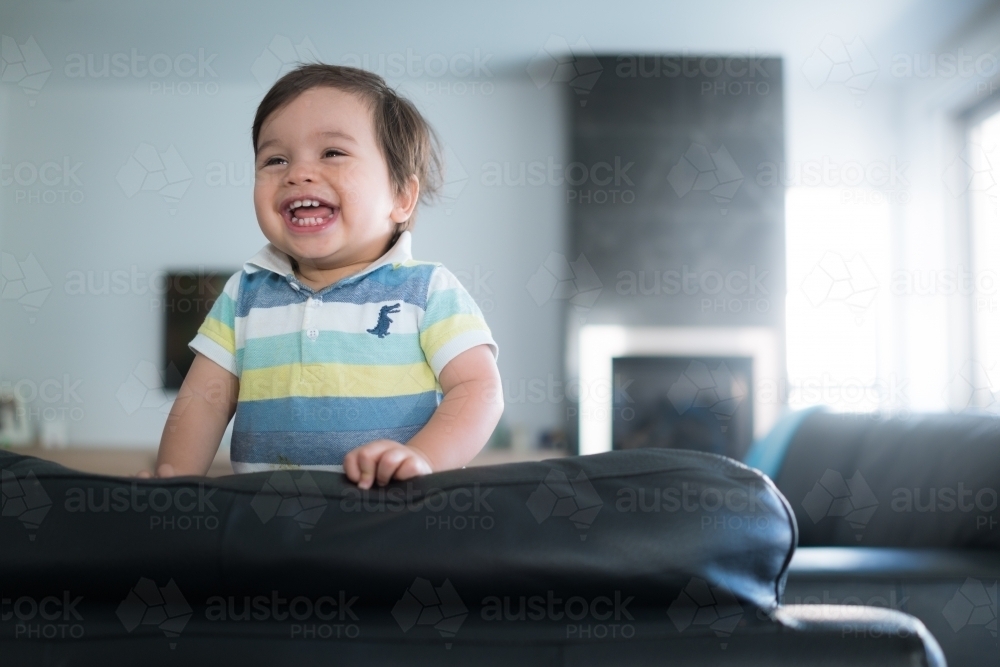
[333,347]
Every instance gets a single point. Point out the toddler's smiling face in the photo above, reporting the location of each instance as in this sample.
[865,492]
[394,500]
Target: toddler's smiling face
[322,191]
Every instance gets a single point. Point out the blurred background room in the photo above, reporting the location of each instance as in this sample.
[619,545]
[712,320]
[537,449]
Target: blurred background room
[680,219]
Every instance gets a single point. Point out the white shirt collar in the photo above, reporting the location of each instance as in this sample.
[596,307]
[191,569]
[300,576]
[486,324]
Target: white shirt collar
[272,259]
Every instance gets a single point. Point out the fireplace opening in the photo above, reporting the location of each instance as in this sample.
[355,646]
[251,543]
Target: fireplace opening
[703,403]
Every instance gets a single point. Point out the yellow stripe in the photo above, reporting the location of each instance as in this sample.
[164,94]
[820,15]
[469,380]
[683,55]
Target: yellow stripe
[319,380]
[220,333]
[439,333]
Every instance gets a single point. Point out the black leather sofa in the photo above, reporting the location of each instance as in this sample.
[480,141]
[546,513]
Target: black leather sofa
[627,558]
[899,513]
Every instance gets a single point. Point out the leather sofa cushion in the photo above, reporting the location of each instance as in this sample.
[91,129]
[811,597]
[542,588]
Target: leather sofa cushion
[644,523]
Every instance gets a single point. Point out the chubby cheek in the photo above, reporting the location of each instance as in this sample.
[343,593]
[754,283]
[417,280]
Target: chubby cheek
[263,197]
[349,182]
[364,194]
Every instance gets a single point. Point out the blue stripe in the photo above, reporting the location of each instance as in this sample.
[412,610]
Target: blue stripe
[330,414]
[442,304]
[768,453]
[333,347]
[266,289]
[309,448]
[224,310]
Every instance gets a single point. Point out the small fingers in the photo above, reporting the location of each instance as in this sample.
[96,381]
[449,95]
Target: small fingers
[415,465]
[165,470]
[351,467]
[389,464]
[367,459]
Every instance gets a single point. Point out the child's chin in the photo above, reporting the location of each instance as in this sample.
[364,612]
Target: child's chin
[313,248]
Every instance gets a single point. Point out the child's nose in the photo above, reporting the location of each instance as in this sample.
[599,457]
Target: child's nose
[301,172]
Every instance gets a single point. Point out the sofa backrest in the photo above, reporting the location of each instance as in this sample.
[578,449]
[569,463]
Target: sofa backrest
[646,523]
[925,480]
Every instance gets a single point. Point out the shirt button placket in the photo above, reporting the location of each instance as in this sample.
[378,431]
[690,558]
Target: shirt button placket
[312,333]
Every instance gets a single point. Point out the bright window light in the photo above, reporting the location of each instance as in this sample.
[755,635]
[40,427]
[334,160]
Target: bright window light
[983,160]
[838,264]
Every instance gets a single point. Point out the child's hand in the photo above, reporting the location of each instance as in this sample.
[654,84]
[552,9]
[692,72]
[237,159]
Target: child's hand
[384,460]
[165,470]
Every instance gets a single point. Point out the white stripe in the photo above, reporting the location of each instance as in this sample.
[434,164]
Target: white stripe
[336,316]
[442,279]
[232,287]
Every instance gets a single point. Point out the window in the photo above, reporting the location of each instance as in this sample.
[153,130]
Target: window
[981,166]
[837,309]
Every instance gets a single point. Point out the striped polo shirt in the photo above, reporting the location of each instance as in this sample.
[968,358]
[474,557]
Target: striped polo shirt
[324,371]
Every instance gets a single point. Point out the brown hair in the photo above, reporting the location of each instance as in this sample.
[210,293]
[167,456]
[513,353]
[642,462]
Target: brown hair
[407,141]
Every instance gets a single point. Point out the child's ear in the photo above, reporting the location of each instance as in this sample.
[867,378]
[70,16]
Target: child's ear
[406,200]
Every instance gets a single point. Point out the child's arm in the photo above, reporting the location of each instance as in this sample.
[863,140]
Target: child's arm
[458,429]
[198,419]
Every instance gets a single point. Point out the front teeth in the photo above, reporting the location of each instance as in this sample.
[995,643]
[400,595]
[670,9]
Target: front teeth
[299,203]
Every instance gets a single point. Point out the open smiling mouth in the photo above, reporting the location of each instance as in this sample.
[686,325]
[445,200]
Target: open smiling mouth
[309,213]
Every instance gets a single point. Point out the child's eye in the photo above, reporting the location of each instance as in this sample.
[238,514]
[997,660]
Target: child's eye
[273,160]
[332,152]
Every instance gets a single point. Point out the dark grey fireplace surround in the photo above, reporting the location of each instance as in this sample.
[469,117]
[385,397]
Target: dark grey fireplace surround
[682,216]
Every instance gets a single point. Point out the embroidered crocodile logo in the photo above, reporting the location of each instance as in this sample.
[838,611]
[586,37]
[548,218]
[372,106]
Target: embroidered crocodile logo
[382,328]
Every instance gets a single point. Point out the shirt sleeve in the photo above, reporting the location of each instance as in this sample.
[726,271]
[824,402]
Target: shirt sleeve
[452,321]
[216,338]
